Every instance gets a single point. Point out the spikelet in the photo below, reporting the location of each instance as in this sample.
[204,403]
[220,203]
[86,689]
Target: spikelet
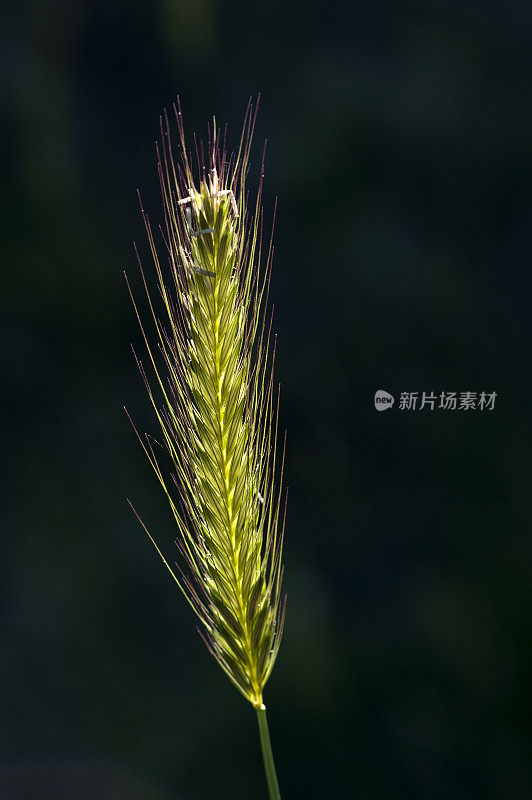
[215,402]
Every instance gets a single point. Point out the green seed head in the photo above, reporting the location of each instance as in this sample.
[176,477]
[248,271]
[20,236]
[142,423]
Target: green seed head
[214,398]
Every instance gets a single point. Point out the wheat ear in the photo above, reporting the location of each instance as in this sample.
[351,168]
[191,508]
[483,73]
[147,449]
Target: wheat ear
[216,404]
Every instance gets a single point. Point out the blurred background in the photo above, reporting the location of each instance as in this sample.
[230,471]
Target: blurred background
[399,145]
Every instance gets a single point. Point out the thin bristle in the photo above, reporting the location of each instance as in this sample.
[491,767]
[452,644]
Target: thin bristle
[215,402]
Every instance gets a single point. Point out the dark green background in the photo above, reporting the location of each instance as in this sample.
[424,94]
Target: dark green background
[399,144]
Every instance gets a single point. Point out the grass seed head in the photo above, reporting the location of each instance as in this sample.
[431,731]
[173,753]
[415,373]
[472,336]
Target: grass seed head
[214,397]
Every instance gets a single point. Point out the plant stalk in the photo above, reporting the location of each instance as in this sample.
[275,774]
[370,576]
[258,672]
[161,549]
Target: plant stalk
[267,755]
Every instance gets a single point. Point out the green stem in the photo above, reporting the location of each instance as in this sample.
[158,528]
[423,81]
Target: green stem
[267,755]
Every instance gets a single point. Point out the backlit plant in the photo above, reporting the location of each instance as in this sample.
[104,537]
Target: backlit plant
[212,389]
